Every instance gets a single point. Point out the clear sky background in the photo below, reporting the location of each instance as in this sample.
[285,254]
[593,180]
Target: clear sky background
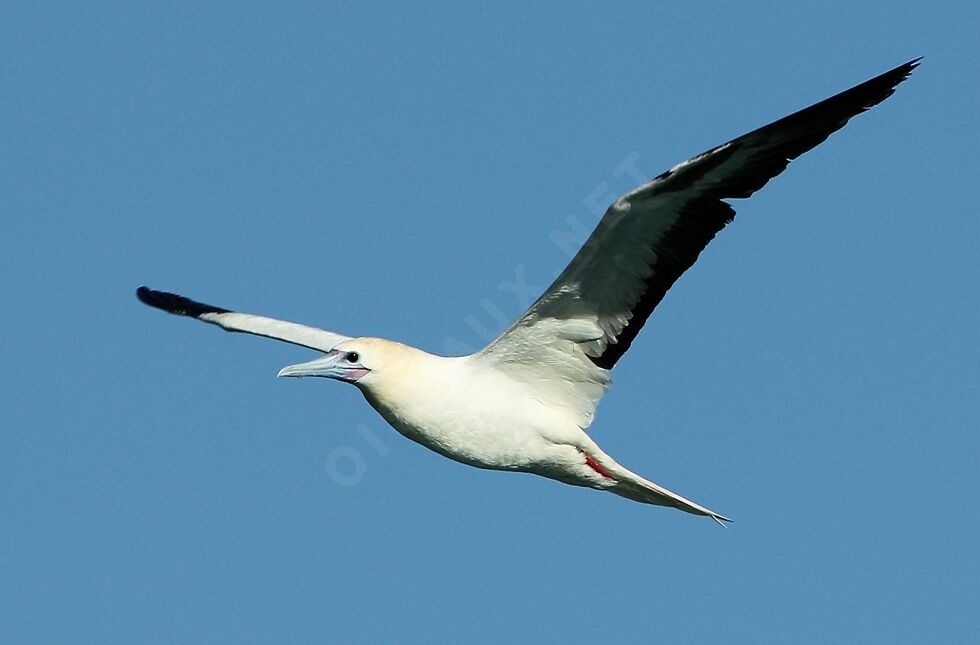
[396,172]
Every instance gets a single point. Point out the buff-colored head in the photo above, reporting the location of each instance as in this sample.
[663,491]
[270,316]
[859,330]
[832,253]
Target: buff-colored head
[361,361]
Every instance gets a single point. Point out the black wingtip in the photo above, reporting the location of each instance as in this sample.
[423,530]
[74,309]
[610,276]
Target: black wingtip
[176,304]
[881,87]
[907,68]
[894,77]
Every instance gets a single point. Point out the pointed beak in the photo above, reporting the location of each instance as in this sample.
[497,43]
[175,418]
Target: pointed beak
[325,366]
[330,365]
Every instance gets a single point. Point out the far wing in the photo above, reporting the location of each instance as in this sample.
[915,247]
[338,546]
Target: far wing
[584,323]
[288,332]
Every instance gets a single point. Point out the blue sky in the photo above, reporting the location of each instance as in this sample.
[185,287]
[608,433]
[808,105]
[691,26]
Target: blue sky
[414,174]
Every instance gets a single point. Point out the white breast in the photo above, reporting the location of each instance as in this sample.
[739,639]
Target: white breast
[474,414]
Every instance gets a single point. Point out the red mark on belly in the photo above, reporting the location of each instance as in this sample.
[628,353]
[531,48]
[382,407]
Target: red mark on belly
[594,465]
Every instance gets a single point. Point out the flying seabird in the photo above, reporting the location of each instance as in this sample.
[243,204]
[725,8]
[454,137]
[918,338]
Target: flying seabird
[524,402]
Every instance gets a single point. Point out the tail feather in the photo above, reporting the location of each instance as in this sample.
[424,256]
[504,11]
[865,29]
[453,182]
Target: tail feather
[634,487]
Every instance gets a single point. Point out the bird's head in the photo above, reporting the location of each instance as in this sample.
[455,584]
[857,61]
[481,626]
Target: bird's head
[358,360]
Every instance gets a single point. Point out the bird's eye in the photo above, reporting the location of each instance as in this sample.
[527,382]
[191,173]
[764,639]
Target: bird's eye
[353,357]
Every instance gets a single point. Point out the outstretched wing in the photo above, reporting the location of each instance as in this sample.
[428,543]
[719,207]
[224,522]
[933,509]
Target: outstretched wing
[288,332]
[584,323]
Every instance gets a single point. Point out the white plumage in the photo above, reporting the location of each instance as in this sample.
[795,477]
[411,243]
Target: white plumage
[524,402]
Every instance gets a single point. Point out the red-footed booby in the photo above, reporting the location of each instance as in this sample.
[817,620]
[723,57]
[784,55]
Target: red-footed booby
[524,402]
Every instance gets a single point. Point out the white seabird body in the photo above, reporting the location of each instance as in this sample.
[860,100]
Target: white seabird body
[524,402]
[469,411]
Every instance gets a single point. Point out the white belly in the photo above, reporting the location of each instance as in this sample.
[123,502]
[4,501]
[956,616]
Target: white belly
[488,421]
